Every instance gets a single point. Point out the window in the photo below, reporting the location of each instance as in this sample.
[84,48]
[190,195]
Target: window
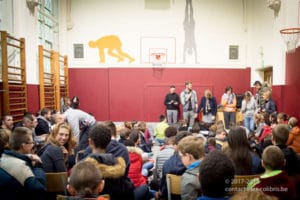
[48,24]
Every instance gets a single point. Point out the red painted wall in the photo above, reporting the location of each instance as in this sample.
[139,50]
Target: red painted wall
[291,95]
[121,94]
[33,98]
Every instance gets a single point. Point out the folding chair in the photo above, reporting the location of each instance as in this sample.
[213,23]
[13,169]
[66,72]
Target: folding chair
[56,182]
[173,185]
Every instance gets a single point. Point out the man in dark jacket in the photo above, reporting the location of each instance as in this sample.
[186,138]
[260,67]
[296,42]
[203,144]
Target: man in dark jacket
[20,179]
[117,184]
[171,102]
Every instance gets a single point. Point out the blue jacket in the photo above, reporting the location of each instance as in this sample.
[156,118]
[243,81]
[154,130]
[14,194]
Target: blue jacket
[173,165]
[269,106]
[119,149]
[116,148]
[19,179]
[212,103]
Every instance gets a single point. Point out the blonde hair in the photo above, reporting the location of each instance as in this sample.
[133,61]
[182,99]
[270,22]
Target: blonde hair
[192,145]
[70,144]
[4,138]
[207,93]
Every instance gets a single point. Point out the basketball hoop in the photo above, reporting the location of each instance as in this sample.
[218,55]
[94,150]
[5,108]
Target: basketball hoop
[158,59]
[291,38]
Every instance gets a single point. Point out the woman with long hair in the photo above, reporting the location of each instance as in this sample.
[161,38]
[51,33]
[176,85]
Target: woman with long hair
[245,161]
[59,146]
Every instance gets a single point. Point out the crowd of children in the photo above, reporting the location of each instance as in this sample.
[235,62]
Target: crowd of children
[105,160]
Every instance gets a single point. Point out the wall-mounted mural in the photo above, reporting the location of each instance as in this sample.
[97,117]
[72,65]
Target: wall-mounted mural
[113,45]
[189,46]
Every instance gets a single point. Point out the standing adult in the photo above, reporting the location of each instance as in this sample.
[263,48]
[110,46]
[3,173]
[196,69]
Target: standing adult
[228,102]
[248,110]
[208,105]
[172,105]
[188,98]
[259,99]
[258,96]
[269,105]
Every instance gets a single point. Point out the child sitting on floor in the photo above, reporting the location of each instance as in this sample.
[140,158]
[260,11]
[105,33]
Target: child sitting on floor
[86,182]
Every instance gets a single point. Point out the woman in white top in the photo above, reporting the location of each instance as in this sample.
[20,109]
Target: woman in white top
[248,110]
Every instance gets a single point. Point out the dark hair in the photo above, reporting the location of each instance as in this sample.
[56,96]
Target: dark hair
[273,117]
[162,118]
[239,151]
[170,131]
[257,83]
[100,135]
[45,111]
[75,102]
[172,86]
[134,136]
[4,117]
[128,143]
[228,88]
[28,115]
[196,127]
[280,134]
[181,135]
[216,173]
[109,124]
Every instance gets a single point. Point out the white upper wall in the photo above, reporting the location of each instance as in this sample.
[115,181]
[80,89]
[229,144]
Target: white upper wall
[250,24]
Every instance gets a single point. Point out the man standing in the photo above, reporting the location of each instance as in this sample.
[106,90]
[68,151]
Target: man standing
[188,98]
[172,105]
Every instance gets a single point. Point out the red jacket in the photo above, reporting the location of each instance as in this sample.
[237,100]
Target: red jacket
[267,130]
[135,169]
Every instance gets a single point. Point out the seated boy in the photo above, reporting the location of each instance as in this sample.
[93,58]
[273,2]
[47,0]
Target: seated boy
[274,181]
[215,176]
[292,160]
[173,165]
[117,184]
[86,181]
[191,151]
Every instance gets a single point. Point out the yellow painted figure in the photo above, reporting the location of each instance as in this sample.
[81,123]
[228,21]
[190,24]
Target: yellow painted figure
[113,44]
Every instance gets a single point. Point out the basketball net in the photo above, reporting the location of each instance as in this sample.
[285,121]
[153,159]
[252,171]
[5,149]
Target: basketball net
[291,38]
[158,59]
